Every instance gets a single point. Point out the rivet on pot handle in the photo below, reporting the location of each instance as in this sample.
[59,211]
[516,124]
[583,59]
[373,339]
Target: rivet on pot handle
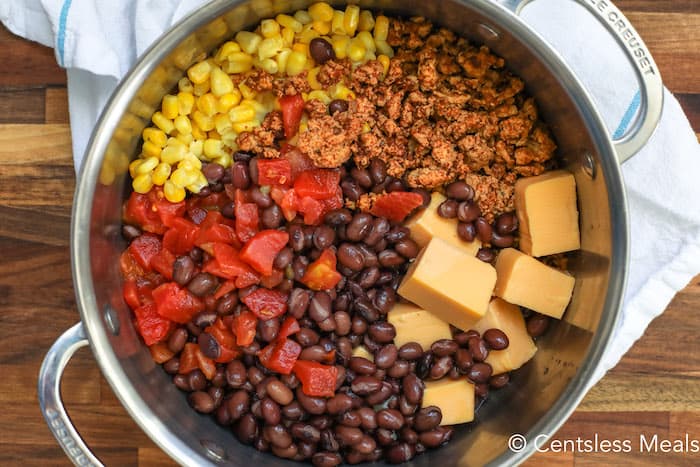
[652,92]
[49,389]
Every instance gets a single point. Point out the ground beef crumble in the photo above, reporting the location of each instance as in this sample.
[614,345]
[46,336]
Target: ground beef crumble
[444,110]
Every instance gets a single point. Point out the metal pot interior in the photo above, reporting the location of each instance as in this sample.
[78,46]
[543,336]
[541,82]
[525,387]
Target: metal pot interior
[541,394]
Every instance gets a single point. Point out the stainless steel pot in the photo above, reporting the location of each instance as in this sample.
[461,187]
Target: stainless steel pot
[542,395]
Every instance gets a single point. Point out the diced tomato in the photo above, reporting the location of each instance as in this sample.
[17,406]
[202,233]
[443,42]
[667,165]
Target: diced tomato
[266,303]
[160,352]
[261,250]
[272,280]
[163,263]
[317,380]
[192,358]
[175,303]
[167,211]
[228,265]
[280,355]
[130,269]
[292,109]
[180,238]
[212,202]
[274,172]
[138,211]
[288,205]
[322,273]
[289,326]
[228,286]
[299,161]
[247,219]
[396,205]
[244,327]
[144,247]
[214,229]
[312,209]
[130,291]
[151,325]
[317,183]
[226,340]
[247,279]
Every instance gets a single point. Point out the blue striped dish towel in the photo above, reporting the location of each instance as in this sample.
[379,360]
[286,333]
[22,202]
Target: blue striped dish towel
[97,41]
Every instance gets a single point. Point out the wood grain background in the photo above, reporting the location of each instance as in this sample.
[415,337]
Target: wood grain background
[654,390]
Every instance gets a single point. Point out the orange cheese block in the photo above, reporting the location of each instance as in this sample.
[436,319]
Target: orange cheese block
[547,213]
[454,398]
[450,283]
[426,224]
[525,281]
[414,324]
[521,348]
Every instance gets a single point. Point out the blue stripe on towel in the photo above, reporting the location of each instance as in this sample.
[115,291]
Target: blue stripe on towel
[629,115]
[62,30]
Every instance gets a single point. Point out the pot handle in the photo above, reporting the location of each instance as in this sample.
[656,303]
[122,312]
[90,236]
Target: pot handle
[49,389]
[651,92]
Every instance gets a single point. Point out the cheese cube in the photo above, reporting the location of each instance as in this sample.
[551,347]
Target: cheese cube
[450,283]
[547,213]
[414,324]
[454,398]
[426,224]
[361,351]
[524,281]
[521,348]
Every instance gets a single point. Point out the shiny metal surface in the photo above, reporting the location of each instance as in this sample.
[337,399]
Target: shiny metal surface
[543,393]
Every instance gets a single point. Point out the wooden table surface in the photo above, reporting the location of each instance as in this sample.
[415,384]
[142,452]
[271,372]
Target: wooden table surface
[655,390]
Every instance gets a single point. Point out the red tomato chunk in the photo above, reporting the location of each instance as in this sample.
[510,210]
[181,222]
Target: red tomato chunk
[261,250]
[266,303]
[317,380]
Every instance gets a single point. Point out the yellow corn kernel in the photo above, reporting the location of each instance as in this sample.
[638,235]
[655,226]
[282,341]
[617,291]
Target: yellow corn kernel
[183,125]
[222,123]
[185,103]
[155,136]
[249,41]
[150,149]
[169,106]
[366,21]
[213,134]
[340,46]
[199,73]
[185,139]
[185,85]
[197,147]
[307,35]
[288,22]
[227,101]
[301,47]
[320,95]
[322,27]
[381,28]
[367,40]
[312,78]
[213,148]
[207,104]
[384,48]
[198,133]
[269,65]
[190,163]
[220,82]
[281,60]
[303,17]
[356,50]
[238,62]
[134,167]
[296,63]
[229,139]
[340,91]
[142,183]
[172,141]
[147,165]
[183,176]
[384,60]
[270,47]
[246,91]
[226,50]
[321,11]
[241,113]
[202,88]
[288,37]
[161,173]
[163,123]
[337,22]
[172,192]
[173,154]
[198,184]
[240,127]
[269,28]
[351,19]
[224,160]
[203,121]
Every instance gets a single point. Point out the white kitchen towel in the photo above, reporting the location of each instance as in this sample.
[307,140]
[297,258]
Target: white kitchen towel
[98,40]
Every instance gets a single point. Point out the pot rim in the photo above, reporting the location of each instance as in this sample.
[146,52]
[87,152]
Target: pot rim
[117,106]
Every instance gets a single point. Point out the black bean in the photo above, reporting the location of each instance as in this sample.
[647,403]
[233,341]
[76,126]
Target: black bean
[384,299]
[380,227]
[130,232]
[177,340]
[390,419]
[362,177]
[481,390]
[390,259]
[324,236]
[463,359]
[362,366]
[382,332]
[423,365]
[349,419]
[348,435]
[444,347]
[366,445]
[502,241]
[326,459]
[441,367]
[226,304]
[236,373]
[307,337]
[172,366]
[364,385]
[479,372]
[337,105]
[283,258]
[201,402]
[466,231]
[337,217]
[240,175]
[338,404]
[380,396]
[320,306]
[436,437]
[386,356]
[460,191]
[203,284]
[263,200]
[486,255]
[391,184]
[298,267]
[305,450]
[468,211]
[204,318]
[377,170]
[407,248]
[213,172]
[364,307]
[278,392]
[228,210]
[399,369]
[359,226]
[342,322]
[405,407]
[537,324]
[208,345]
[293,411]
[350,256]
[182,382]
[483,229]
[427,418]
[397,233]
[255,375]
[506,223]
[411,351]
[478,348]
[305,432]
[290,452]
[183,270]
[499,381]
[313,405]
[412,388]
[298,302]
[496,339]
[296,237]
[271,217]
[268,329]
[321,50]
[399,453]
[351,190]
[384,437]
[277,434]
[448,209]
